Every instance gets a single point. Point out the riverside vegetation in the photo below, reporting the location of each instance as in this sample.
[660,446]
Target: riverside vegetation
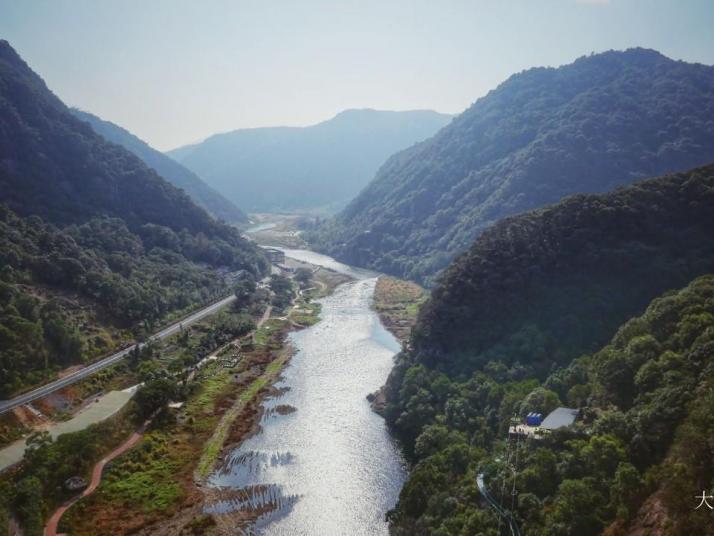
[397,304]
[154,482]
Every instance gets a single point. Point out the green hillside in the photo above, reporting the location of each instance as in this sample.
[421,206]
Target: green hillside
[632,461]
[603,121]
[95,247]
[169,169]
[503,334]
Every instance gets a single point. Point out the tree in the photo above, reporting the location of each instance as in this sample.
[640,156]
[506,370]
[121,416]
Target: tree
[154,395]
[303,276]
[245,292]
[540,400]
[29,505]
[626,490]
[282,287]
[576,509]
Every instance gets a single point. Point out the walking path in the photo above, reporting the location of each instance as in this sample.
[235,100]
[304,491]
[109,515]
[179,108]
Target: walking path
[53,522]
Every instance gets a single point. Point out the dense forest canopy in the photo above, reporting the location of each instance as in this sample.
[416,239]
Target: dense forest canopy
[542,287]
[604,120]
[319,168]
[521,323]
[640,448]
[169,169]
[59,286]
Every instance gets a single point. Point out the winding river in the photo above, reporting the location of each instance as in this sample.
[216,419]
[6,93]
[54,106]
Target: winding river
[322,463]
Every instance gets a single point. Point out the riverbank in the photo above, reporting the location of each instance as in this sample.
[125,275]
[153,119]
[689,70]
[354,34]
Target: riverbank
[158,488]
[397,303]
[322,461]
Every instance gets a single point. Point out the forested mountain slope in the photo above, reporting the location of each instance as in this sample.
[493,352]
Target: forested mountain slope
[169,169]
[95,247]
[542,287]
[604,120]
[54,165]
[503,334]
[320,167]
[632,464]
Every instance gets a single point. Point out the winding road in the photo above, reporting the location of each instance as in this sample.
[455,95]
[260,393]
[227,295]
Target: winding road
[26,398]
[53,522]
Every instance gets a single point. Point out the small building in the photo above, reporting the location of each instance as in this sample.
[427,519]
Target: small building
[536,426]
[75,483]
[559,418]
[275,256]
[534,419]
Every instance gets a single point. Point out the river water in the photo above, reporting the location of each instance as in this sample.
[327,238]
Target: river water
[323,463]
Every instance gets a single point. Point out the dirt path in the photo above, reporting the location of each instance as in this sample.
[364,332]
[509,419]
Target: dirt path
[265,316]
[53,522]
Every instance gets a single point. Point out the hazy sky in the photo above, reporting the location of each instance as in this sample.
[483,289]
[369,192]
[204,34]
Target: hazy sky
[174,72]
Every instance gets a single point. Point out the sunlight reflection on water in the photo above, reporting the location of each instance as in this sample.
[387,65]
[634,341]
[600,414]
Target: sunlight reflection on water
[329,467]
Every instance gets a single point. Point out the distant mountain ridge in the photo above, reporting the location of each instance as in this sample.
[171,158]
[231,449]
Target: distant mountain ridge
[178,175]
[600,122]
[320,167]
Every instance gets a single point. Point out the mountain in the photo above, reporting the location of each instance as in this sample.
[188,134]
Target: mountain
[316,168]
[603,121]
[95,247]
[202,194]
[56,166]
[641,444]
[537,314]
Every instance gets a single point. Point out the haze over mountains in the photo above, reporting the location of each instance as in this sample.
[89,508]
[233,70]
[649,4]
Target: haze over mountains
[178,175]
[317,168]
[602,121]
[565,220]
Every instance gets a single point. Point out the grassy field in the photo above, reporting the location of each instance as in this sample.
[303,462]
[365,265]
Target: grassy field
[397,303]
[217,441]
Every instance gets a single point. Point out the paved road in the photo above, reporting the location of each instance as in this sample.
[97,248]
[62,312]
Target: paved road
[7,405]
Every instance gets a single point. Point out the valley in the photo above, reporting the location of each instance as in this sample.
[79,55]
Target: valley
[264,289]
[231,413]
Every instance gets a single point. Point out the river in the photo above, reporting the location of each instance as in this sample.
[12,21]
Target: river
[322,463]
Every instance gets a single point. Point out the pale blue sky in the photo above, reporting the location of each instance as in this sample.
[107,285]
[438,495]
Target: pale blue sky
[174,72]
